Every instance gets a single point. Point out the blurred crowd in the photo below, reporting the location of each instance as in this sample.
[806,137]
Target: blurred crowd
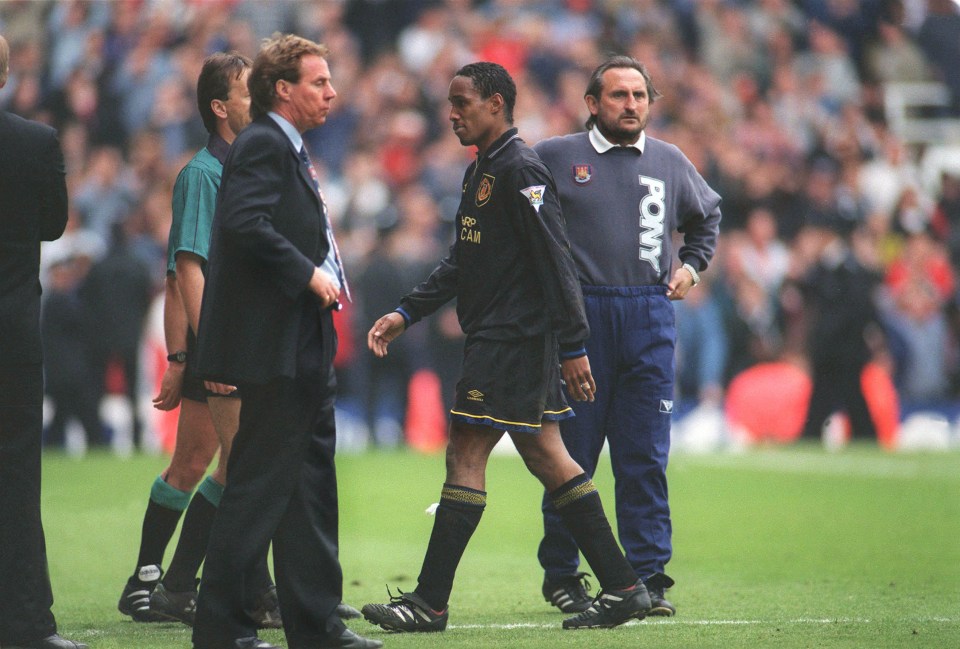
[779,104]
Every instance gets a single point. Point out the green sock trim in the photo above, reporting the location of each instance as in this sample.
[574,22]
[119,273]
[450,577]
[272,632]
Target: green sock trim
[211,490]
[169,497]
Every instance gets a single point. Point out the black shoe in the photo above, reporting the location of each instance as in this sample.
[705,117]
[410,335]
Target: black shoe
[253,642]
[174,605]
[612,608]
[266,610]
[347,612]
[660,605]
[406,612]
[135,599]
[350,640]
[569,594]
[51,642]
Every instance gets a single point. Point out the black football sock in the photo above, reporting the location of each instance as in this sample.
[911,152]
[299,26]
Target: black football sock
[192,546]
[164,509]
[578,503]
[457,516]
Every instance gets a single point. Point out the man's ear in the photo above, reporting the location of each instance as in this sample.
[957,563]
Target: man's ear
[219,108]
[282,89]
[592,104]
[496,103]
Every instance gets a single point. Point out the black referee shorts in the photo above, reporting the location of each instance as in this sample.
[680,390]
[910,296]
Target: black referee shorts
[511,385]
[193,387]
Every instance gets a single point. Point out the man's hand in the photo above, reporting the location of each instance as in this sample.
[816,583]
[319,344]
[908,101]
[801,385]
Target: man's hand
[576,373]
[324,287]
[170,386]
[384,331]
[680,284]
[219,388]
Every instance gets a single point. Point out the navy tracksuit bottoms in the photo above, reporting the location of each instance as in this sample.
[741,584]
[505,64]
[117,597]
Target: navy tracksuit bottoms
[631,352]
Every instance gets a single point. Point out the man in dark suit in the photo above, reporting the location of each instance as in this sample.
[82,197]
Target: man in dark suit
[33,208]
[273,277]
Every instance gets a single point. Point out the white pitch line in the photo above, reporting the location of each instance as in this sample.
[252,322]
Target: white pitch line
[682,622]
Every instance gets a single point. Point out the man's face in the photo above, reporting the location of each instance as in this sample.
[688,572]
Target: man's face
[309,99]
[473,121]
[623,107]
[237,104]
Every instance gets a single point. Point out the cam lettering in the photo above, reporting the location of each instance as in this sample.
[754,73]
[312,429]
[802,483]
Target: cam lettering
[651,221]
[467,231]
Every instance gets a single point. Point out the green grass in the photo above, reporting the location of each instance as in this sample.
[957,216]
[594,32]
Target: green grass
[782,548]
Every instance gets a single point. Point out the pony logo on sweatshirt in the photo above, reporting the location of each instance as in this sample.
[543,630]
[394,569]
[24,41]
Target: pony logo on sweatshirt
[651,221]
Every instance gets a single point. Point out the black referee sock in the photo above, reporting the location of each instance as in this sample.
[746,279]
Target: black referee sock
[164,509]
[192,546]
[457,516]
[578,503]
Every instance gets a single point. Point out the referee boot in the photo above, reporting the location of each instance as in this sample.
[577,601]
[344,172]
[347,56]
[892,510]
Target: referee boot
[569,593]
[406,612]
[612,608]
[180,606]
[135,598]
[660,605]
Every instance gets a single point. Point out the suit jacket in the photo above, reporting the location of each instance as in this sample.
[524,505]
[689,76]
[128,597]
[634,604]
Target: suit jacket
[33,208]
[268,237]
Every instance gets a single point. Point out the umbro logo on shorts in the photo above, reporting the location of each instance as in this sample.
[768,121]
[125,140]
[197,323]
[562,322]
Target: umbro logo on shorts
[666,406]
[475,395]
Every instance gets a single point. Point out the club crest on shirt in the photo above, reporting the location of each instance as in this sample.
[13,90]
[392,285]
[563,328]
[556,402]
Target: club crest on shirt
[582,173]
[534,194]
[485,190]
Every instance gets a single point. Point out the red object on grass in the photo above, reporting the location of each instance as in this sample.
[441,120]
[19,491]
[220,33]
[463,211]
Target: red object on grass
[769,401]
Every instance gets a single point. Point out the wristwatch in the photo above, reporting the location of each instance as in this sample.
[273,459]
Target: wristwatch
[177,357]
[693,273]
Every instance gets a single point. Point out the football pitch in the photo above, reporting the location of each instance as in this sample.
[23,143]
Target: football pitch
[788,547]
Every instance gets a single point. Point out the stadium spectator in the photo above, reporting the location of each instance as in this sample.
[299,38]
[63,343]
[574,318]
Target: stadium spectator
[702,347]
[843,332]
[67,331]
[117,292]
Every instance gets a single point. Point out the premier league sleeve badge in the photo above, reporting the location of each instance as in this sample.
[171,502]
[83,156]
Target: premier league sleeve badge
[534,194]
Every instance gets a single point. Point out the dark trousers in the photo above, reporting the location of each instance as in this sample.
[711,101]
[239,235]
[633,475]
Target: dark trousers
[281,487]
[25,594]
[631,351]
[839,388]
[80,401]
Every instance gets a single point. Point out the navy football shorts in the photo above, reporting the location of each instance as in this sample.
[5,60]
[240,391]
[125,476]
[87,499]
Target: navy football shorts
[511,385]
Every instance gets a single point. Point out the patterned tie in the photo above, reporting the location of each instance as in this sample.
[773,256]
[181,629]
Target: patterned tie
[326,219]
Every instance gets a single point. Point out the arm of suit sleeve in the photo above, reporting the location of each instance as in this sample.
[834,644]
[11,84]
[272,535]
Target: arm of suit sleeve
[549,248]
[53,197]
[248,204]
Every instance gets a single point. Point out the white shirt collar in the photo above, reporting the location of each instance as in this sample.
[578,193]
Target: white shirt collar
[289,130]
[602,144]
